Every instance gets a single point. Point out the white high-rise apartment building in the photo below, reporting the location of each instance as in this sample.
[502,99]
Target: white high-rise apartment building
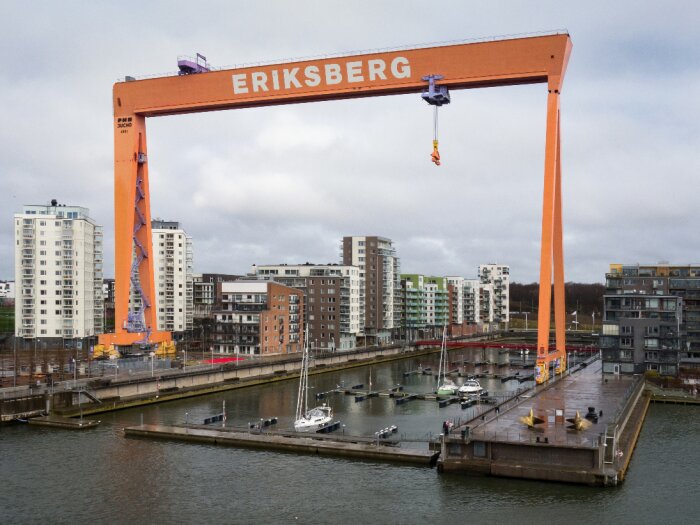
[498,276]
[173,276]
[58,273]
[380,283]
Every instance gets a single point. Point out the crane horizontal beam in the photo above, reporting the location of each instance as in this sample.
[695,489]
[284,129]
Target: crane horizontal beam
[462,66]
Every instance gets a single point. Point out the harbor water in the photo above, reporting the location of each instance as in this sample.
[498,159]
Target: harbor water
[99,476]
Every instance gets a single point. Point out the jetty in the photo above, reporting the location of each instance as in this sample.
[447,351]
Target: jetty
[357,447]
[499,442]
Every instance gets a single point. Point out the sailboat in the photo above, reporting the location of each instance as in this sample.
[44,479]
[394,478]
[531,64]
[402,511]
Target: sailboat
[317,417]
[445,386]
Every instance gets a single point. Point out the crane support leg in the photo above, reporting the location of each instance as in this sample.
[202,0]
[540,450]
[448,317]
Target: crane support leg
[132,221]
[552,253]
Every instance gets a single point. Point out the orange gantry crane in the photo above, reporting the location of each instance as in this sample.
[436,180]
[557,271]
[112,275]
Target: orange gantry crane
[527,60]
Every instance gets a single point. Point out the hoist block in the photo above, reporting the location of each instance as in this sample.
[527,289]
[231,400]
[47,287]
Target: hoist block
[435,95]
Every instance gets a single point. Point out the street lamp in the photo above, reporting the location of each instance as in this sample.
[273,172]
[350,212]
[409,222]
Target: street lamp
[14,365]
[75,372]
[152,354]
[526,313]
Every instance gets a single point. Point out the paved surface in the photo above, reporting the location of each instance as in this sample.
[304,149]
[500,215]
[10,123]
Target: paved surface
[584,388]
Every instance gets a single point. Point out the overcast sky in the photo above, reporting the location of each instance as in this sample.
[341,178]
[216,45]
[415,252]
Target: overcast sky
[284,184]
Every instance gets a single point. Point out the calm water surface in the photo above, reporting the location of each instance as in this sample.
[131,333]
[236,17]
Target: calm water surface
[98,476]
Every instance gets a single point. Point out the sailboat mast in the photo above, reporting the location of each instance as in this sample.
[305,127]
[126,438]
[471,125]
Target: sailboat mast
[301,395]
[443,365]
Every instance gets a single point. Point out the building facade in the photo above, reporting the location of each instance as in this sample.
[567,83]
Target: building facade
[472,301]
[495,294]
[651,319]
[455,293]
[380,283]
[425,305]
[7,289]
[259,318]
[173,276]
[58,273]
[332,295]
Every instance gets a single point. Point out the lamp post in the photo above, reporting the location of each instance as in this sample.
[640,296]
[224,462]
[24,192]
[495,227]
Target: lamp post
[526,320]
[75,372]
[14,365]
[152,354]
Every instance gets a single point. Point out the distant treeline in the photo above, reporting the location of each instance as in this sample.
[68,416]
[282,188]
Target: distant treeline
[580,297]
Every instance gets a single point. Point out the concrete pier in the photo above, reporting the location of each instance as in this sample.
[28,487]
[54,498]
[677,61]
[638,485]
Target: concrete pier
[500,444]
[322,445]
[64,422]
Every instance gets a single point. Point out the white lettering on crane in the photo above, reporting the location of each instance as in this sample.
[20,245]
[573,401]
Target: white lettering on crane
[400,67]
[313,78]
[290,77]
[354,71]
[259,79]
[333,74]
[330,74]
[376,69]
[239,83]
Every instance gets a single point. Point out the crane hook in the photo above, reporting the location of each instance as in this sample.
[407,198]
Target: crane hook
[435,155]
[435,96]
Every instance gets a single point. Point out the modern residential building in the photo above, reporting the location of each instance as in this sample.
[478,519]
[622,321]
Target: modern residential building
[58,272]
[495,299]
[455,294]
[651,319]
[379,284]
[7,289]
[425,305]
[173,276]
[332,294]
[203,295]
[472,301]
[259,318]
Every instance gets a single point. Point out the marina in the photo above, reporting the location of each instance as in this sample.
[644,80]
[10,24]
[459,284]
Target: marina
[243,469]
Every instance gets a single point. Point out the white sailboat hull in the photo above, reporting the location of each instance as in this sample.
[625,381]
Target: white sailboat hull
[313,423]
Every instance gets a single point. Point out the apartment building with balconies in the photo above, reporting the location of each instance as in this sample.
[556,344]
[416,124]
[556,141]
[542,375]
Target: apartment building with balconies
[58,273]
[651,319]
[495,295]
[472,301]
[258,318]
[425,305]
[173,277]
[332,293]
[380,283]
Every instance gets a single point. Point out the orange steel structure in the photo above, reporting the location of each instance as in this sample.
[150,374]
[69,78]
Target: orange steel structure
[527,60]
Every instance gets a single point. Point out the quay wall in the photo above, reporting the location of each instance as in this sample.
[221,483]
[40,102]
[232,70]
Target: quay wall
[115,394]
